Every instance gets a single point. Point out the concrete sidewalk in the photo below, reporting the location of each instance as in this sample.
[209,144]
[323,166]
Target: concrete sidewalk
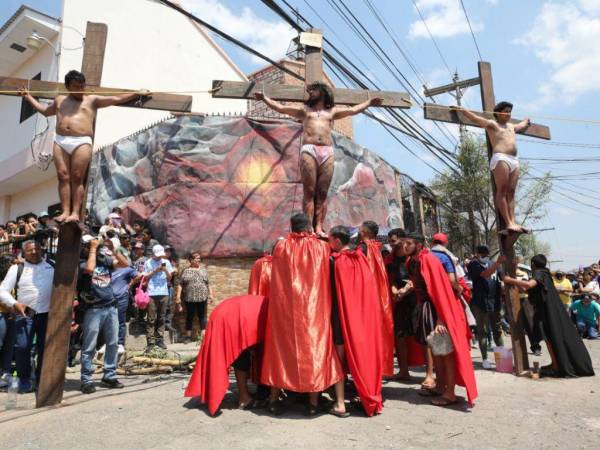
[510,412]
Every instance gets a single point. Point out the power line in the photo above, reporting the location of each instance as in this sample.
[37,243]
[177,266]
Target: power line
[470,28]
[432,38]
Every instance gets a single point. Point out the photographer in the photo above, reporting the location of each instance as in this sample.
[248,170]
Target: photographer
[158,271]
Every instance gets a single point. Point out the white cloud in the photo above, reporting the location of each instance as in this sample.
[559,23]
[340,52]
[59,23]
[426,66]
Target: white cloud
[271,38]
[565,36]
[445,18]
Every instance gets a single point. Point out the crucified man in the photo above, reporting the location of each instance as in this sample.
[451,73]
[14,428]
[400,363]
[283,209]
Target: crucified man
[316,151]
[504,163]
[72,151]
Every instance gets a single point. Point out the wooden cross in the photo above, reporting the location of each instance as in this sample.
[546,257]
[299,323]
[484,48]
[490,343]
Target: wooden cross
[313,73]
[52,378]
[450,115]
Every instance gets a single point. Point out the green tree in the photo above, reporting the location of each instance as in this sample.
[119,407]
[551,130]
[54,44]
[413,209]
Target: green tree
[467,200]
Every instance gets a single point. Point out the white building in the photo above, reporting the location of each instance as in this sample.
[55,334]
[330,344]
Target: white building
[148,46]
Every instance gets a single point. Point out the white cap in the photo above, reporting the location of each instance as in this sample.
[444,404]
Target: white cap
[87,238]
[43,214]
[158,251]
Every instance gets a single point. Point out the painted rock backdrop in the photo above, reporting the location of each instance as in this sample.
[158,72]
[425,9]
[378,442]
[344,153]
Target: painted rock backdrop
[227,186]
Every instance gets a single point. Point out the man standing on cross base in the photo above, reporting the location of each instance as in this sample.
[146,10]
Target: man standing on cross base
[504,163]
[75,115]
[316,152]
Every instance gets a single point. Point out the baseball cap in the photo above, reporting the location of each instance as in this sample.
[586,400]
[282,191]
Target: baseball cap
[43,214]
[86,238]
[441,238]
[158,251]
[114,216]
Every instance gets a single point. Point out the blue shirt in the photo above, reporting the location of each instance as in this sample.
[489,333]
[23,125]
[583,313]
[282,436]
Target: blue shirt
[486,291]
[120,281]
[157,285]
[587,313]
[445,260]
[95,289]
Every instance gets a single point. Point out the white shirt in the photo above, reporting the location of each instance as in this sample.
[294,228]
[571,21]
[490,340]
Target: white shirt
[35,286]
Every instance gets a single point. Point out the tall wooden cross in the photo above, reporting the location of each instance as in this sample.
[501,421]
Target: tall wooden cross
[52,379]
[450,115]
[312,41]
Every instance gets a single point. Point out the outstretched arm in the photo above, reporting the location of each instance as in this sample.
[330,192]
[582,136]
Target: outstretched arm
[290,110]
[479,121]
[522,125]
[340,113]
[45,110]
[102,101]
[524,284]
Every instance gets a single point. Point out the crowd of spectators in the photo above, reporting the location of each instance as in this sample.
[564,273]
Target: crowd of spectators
[116,258]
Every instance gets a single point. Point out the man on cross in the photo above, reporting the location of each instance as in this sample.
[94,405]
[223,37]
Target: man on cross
[75,116]
[504,163]
[316,152]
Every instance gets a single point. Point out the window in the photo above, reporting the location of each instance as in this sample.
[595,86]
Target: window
[26,109]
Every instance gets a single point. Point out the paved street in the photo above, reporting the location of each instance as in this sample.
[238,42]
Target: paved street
[511,412]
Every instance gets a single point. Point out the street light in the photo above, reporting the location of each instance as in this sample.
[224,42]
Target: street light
[35,41]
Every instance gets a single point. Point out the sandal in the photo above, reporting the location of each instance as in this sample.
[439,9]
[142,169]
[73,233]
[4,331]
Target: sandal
[248,406]
[276,408]
[443,401]
[339,414]
[311,410]
[423,392]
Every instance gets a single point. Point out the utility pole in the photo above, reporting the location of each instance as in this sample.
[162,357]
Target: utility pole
[456,90]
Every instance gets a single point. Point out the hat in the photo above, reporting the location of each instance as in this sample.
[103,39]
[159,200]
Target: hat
[43,214]
[158,251]
[86,238]
[168,247]
[139,245]
[559,272]
[441,238]
[114,216]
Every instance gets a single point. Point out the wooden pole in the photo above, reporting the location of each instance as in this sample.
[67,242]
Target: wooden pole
[314,61]
[512,301]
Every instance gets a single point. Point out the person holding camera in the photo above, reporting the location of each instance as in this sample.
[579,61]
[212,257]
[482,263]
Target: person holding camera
[158,272]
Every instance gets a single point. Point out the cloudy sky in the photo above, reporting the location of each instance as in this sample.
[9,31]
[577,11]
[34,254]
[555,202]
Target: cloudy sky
[545,59]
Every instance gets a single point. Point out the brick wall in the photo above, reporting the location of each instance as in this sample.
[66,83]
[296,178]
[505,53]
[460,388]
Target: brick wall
[227,276]
[273,75]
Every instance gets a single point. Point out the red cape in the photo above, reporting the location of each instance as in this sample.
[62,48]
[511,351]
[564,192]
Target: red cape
[234,325]
[377,266]
[299,354]
[450,310]
[358,303]
[260,276]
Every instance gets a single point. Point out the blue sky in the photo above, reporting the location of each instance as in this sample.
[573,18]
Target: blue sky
[544,57]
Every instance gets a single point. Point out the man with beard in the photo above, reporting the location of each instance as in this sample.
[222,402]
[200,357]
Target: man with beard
[569,356]
[441,325]
[355,315]
[299,354]
[316,152]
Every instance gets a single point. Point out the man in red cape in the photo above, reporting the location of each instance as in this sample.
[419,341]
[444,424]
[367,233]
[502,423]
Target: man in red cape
[441,313]
[298,352]
[234,325]
[356,314]
[260,276]
[372,250]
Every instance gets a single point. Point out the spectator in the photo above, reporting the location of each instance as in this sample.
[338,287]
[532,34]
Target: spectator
[563,287]
[172,258]
[31,225]
[125,247]
[138,227]
[122,277]
[100,317]
[7,326]
[32,284]
[586,284]
[195,291]
[587,313]
[148,242]
[139,260]
[4,236]
[486,304]
[440,241]
[13,230]
[43,221]
[157,271]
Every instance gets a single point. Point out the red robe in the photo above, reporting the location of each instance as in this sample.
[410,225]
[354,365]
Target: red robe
[234,325]
[450,311]
[358,305]
[260,276]
[377,266]
[299,354]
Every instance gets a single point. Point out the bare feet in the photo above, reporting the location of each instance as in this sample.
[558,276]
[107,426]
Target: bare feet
[72,218]
[428,383]
[62,217]
[320,233]
[245,402]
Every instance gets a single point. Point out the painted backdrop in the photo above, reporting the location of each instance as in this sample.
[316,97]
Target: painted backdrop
[227,186]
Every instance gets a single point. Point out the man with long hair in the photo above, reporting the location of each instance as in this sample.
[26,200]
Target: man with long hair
[316,151]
